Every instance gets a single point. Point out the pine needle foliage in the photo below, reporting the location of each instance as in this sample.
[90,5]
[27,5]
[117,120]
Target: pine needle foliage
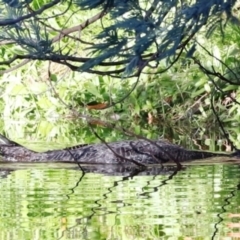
[134,34]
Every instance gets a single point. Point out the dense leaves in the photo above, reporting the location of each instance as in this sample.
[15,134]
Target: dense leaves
[172,57]
[139,32]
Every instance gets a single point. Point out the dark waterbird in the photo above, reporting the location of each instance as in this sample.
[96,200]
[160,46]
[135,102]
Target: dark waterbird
[124,152]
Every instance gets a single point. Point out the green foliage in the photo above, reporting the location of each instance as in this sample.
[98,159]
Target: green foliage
[38,99]
[158,27]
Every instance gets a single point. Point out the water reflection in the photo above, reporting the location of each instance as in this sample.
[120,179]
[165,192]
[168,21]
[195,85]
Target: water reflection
[199,202]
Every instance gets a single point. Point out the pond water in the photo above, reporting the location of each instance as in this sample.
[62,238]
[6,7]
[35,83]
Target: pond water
[58,201]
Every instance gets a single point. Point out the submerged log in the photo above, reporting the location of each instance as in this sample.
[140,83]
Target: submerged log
[123,152]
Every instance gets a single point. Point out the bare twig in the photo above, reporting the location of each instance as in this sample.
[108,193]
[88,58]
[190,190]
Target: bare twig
[12,21]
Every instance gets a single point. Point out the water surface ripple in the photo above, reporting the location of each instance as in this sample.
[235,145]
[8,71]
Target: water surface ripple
[43,202]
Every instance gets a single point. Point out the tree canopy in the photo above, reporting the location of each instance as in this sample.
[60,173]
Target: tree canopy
[167,41]
[134,35]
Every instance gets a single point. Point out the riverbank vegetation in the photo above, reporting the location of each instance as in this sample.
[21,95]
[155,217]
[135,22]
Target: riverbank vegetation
[70,70]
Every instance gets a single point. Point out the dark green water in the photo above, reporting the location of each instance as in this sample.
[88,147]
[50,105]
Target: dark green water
[59,202]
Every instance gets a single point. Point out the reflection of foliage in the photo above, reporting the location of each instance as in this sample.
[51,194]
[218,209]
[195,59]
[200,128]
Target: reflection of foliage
[118,206]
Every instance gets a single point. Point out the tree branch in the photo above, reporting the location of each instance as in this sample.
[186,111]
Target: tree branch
[8,22]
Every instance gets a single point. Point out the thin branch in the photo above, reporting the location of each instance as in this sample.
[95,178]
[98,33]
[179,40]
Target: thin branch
[15,67]
[220,90]
[221,125]
[62,34]
[114,152]
[8,22]
[79,27]
[58,57]
[214,73]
